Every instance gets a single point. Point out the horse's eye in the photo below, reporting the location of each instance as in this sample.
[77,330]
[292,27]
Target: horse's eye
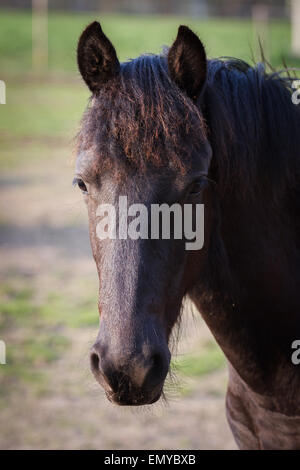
[80,183]
[198,186]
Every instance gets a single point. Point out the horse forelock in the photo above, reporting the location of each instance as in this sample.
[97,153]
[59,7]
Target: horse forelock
[141,119]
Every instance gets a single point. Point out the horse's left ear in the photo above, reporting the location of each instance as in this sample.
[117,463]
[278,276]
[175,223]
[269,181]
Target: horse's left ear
[187,62]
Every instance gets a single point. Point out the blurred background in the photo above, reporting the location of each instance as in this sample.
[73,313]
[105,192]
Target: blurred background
[48,304]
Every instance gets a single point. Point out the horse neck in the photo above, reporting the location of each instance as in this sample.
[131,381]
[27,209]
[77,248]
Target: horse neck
[255,421]
[255,319]
[249,292]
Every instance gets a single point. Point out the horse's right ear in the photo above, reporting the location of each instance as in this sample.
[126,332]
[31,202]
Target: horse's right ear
[96,57]
[187,62]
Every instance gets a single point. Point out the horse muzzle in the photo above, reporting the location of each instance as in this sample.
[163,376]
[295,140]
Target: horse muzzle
[132,379]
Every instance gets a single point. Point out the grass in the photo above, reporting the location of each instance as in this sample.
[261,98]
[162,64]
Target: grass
[42,110]
[33,324]
[208,360]
[21,305]
[17,152]
[27,359]
[131,35]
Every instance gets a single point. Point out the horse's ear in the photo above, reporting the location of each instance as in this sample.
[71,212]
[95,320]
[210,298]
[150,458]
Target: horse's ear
[96,57]
[187,62]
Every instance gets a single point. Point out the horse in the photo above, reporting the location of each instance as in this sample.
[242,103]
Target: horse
[181,128]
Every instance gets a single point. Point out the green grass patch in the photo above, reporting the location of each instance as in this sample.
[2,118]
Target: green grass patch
[21,307]
[65,310]
[132,35]
[32,323]
[16,153]
[42,110]
[206,361]
[27,359]
[43,350]
[15,305]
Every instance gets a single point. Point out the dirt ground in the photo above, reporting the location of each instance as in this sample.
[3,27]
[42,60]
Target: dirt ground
[44,245]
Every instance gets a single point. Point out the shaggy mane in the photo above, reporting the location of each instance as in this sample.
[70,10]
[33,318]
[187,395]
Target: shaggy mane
[254,128]
[142,119]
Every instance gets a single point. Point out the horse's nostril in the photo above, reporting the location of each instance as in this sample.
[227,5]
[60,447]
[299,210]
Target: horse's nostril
[95,362]
[157,371]
[156,361]
[99,367]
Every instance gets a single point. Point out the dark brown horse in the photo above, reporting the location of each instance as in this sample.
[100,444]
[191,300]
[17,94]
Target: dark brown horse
[179,128]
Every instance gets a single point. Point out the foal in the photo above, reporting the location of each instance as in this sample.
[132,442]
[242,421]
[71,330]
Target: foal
[179,129]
